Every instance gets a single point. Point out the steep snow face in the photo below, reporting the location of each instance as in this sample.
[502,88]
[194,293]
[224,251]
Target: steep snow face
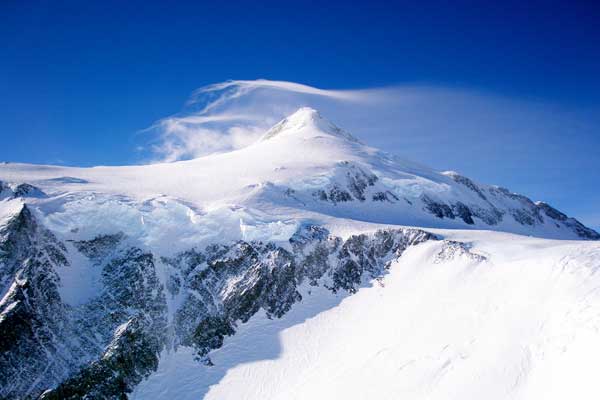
[513,318]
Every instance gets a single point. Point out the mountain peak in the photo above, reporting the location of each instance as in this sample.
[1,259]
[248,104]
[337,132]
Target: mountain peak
[307,119]
[304,115]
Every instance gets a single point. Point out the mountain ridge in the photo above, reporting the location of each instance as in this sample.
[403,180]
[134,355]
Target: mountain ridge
[306,163]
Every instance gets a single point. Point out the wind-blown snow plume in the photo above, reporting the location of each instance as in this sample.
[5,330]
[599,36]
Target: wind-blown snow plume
[230,115]
[437,126]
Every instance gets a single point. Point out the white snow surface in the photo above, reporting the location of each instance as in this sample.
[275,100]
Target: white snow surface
[525,324]
[522,325]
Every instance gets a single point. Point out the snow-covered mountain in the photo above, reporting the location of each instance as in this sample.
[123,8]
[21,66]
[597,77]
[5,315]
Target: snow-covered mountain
[228,276]
[303,166]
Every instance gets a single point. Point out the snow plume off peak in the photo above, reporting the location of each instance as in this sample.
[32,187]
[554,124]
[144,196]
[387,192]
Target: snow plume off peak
[438,126]
[234,114]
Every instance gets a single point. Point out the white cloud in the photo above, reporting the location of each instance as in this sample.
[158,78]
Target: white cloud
[186,142]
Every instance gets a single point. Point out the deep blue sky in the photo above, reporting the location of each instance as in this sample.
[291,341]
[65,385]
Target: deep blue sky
[79,79]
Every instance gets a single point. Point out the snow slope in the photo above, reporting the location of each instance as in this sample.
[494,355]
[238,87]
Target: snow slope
[230,276]
[523,324]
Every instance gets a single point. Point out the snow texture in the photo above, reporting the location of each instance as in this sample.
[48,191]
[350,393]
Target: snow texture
[306,265]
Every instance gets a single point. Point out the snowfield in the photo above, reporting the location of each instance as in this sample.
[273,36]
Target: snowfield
[304,266]
[523,324]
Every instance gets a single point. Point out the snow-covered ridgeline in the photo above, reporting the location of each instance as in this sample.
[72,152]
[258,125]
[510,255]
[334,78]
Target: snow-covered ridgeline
[304,167]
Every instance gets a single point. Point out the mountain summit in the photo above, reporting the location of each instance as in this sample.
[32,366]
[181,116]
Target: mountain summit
[308,121]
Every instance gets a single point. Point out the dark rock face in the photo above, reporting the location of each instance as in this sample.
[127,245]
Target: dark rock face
[100,247]
[130,357]
[34,326]
[467,182]
[462,211]
[334,195]
[524,217]
[20,190]
[526,212]
[357,182]
[106,346]
[571,223]
[583,231]
[452,249]
[209,334]
[551,212]
[224,285]
[490,205]
[385,196]
[491,216]
[126,326]
[27,190]
[45,341]
[439,209]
